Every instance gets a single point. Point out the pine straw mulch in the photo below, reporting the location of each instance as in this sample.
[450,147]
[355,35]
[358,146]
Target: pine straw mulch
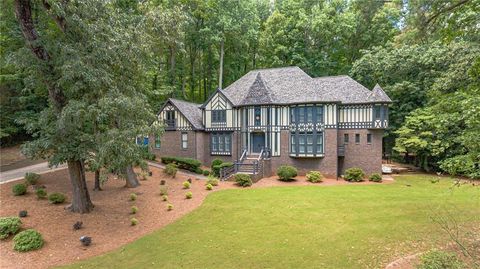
[109,223]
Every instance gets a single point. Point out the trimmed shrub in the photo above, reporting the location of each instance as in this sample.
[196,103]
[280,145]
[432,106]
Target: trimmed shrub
[163,190]
[57,198]
[199,171]
[183,163]
[206,172]
[209,187]
[22,213]
[169,207]
[133,221]
[164,198]
[19,189]
[215,163]
[436,259]
[27,240]
[32,178]
[41,193]
[171,169]
[216,168]
[354,174]
[314,176]
[188,195]
[133,196]
[286,173]
[243,180]
[134,210]
[375,177]
[212,181]
[186,185]
[9,226]
[162,182]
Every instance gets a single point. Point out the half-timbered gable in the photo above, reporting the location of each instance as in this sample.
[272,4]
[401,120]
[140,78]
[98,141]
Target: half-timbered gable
[180,115]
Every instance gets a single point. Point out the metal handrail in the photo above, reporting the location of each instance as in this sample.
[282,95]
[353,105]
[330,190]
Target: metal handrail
[244,154]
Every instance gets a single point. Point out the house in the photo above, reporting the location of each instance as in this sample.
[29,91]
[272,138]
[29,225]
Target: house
[272,117]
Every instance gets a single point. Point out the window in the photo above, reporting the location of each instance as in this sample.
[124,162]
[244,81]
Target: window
[301,114]
[184,140]
[221,143]
[319,142]
[157,141]
[309,114]
[357,138]
[258,116]
[345,138]
[219,115]
[306,144]
[377,112]
[369,138]
[319,113]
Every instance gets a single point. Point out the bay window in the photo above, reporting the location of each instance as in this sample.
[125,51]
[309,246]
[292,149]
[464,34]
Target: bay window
[221,143]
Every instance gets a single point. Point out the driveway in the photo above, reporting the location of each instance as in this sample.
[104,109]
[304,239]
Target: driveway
[19,173]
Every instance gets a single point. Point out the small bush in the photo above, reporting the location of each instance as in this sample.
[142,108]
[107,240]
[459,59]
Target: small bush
[169,207]
[57,198]
[243,180]
[206,172]
[171,169]
[186,185]
[376,177]
[216,162]
[164,198]
[86,240]
[27,240]
[286,173]
[212,181]
[22,213]
[9,226]
[133,196]
[436,259]
[32,178]
[19,189]
[209,187]
[354,174]
[199,171]
[134,210]
[216,168]
[163,190]
[188,195]
[77,225]
[133,221]
[162,182]
[314,176]
[183,163]
[41,193]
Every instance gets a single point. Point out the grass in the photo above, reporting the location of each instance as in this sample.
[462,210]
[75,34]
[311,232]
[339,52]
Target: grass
[347,226]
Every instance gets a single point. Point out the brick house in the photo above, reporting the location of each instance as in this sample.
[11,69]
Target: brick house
[271,117]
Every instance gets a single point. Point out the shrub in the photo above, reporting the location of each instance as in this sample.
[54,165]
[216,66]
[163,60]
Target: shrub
[209,187]
[56,198]
[41,193]
[32,178]
[215,163]
[27,240]
[314,176]
[134,210]
[163,190]
[199,171]
[206,172]
[183,163]
[212,181]
[133,196]
[243,180]
[169,207]
[436,259]
[22,213]
[164,198]
[9,226]
[188,195]
[77,225]
[171,169]
[354,174]
[86,240]
[19,189]
[186,185]
[216,168]
[162,182]
[376,177]
[133,221]
[286,173]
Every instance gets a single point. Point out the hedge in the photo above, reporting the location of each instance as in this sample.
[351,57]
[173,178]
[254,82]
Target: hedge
[216,168]
[183,163]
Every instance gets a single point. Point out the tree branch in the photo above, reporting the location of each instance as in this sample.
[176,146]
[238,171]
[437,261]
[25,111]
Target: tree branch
[449,8]
[59,20]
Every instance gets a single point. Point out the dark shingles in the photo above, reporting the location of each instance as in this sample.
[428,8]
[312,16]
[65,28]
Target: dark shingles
[379,95]
[191,111]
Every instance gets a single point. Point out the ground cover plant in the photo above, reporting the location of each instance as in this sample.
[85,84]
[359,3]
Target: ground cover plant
[27,240]
[9,226]
[313,224]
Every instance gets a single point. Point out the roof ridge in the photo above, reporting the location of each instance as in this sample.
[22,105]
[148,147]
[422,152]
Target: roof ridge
[334,76]
[273,68]
[183,101]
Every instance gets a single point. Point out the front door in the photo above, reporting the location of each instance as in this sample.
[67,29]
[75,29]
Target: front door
[258,142]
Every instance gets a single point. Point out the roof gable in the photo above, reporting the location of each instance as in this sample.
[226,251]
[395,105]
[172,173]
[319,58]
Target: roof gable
[191,111]
[258,93]
[379,95]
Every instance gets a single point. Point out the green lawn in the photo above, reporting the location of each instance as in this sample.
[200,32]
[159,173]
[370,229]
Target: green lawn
[349,226]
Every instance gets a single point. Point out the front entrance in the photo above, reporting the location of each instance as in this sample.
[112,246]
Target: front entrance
[258,142]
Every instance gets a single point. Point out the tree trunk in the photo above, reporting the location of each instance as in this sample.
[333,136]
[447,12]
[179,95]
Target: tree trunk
[220,72]
[81,202]
[131,178]
[97,181]
[172,67]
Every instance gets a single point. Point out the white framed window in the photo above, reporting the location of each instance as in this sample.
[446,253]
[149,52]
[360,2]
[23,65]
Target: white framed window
[157,141]
[184,140]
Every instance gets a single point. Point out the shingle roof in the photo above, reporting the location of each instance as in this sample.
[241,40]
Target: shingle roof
[290,85]
[191,111]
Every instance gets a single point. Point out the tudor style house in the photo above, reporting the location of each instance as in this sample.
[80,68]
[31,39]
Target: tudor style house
[280,116]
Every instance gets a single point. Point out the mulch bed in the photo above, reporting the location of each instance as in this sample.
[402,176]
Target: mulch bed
[109,223]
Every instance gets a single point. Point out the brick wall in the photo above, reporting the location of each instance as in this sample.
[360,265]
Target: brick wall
[171,145]
[363,155]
